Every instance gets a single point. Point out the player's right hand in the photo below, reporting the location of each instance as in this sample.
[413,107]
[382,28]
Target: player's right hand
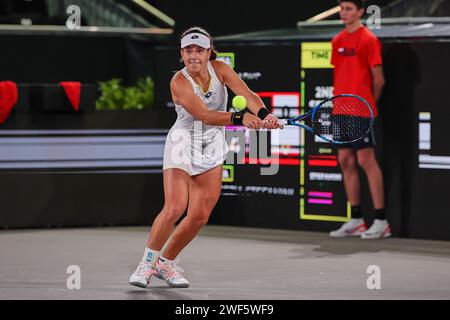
[272,122]
[251,121]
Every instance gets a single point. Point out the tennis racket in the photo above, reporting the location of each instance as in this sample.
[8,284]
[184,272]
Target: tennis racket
[341,119]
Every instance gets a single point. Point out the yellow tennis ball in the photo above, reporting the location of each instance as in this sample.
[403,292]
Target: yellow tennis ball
[239,103]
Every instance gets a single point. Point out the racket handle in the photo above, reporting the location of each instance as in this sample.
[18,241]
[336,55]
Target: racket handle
[283,122]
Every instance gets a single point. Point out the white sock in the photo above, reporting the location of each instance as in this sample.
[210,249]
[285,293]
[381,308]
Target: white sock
[150,255]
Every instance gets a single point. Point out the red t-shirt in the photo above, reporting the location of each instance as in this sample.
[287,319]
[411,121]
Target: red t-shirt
[353,56]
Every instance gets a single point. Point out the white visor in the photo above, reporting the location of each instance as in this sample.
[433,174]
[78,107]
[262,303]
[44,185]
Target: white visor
[198,39]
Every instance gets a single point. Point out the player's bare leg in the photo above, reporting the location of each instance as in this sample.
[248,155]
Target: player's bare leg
[204,191]
[176,193]
[176,188]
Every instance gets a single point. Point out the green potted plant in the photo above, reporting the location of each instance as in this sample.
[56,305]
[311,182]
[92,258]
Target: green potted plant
[115,96]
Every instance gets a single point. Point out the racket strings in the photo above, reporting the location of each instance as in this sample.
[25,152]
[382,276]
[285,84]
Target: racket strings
[343,119]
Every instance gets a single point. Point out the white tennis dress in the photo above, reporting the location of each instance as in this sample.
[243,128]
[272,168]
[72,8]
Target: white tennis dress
[191,145]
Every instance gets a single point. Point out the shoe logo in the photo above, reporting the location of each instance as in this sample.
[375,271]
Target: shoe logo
[149,257]
[160,270]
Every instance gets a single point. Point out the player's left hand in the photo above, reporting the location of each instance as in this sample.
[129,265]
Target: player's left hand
[271,122]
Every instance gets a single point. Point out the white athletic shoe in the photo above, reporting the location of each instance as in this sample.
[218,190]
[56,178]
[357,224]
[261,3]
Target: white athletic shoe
[378,230]
[170,271]
[353,228]
[141,277]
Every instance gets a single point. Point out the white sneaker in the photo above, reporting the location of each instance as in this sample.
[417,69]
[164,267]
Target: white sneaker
[353,228]
[378,230]
[170,271]
[141,277]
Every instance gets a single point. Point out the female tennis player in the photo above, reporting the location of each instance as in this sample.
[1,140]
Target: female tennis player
[194,152]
